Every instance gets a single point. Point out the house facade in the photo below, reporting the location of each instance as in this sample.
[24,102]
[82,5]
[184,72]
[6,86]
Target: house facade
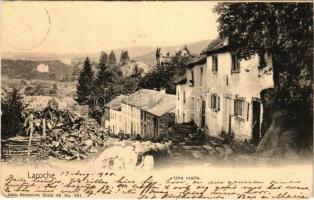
[196,79]
[147,113]
[131,121]
[189,91]
[227,95]
[113,115]
[183,112]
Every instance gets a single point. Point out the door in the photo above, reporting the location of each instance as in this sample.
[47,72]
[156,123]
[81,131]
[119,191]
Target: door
[203,114]
[227,115]
[256,122]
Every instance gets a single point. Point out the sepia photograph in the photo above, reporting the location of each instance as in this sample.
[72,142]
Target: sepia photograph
[157,99]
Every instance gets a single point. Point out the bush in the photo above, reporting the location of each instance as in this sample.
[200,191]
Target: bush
[12,119]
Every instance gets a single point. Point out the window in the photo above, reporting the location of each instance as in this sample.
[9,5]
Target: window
[178,96]
[201,78]
[262,61]
[142,115]
[192,99]
[215,64]
[184,97]
[192,78]
[238,107]
[215,102]
[198,105]
[235,63]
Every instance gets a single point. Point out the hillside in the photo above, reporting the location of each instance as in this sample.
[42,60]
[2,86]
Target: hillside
[128,68]
[27,69]
[149,58]
[67,57]
[23,65]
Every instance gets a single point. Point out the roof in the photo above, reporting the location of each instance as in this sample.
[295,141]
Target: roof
[215,45]
[181,80]
[152,101]
[198,60]
[115,103]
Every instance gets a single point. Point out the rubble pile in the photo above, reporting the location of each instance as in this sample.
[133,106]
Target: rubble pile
[190,143]
[65,135]
[128,154]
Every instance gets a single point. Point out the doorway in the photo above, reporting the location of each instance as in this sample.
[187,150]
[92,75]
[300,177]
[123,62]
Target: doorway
[227,115]
[256,122]
[203,114]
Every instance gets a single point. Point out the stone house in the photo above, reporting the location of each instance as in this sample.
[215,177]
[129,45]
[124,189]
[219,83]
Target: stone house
[113,115]
[147,112]
[189,91]
[196,79]
[183,112]
[229,99]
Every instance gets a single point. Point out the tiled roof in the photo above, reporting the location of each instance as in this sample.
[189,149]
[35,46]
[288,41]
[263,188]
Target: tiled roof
[198,60]
[181,80]
[215,45]
[152,101]
[115,103]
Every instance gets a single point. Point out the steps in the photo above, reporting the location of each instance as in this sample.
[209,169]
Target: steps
[186,143]
[182,132]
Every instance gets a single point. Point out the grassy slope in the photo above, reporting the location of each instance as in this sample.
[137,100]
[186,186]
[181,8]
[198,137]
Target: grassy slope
[25,69]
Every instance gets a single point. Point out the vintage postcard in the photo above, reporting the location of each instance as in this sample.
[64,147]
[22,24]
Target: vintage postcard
[157,99]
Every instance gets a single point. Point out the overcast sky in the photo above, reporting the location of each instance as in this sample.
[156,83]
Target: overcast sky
[78,27]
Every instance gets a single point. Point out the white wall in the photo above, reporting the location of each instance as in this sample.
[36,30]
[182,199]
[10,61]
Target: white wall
[246,84]
[197,91]
[131,116]
[181,107]
[114,122]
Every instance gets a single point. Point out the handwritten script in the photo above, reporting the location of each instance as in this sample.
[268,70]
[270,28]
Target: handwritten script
[107,184]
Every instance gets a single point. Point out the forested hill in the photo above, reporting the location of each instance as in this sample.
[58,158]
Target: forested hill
[26,69]
[150,57]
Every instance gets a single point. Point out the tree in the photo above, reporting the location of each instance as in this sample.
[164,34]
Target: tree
[124,58]
[104,75]
[85,83]
[103,59]
[137,72]
[166,75]
[107,78]
[112,58]
[12,108]
[284,31]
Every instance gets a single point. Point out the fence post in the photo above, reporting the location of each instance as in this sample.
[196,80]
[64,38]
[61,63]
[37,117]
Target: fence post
[30,135]
[44,128]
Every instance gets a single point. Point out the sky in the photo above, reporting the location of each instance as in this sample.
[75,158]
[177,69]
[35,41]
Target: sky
[78,27]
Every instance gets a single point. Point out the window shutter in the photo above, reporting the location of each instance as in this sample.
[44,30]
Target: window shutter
[213,63]
[218,103]
[244,109]
[234,107]
[248,112]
